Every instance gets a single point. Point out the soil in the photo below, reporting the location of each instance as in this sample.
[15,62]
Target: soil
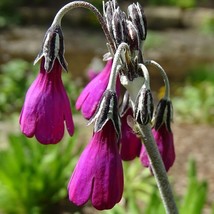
[195,142]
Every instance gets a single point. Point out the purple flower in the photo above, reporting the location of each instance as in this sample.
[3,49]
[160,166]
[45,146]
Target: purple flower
[164,139]
[91,94]
[130,143]
[46,107]
[98,174]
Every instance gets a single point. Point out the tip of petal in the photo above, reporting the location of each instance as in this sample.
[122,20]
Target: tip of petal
[70,130]
[27,133]
[27,129]
[47,140]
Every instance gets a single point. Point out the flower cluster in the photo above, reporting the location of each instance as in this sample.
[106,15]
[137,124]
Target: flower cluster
[98,175]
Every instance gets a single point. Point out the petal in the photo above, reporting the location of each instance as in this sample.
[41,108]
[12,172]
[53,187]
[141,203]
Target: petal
[98,174]
[91,94]
[130,143]
[27,123]
[144,156]
[50,120]
[168,146]
[81,182]
[67,113]
[29,111]
[91,102]
[131,146]
[164,140]
[108,184]
[81,98]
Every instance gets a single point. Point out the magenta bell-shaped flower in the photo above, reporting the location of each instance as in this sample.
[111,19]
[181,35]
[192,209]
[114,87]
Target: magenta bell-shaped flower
[98,175]
[165,143]
[92,93]
[46,107]
[130,143]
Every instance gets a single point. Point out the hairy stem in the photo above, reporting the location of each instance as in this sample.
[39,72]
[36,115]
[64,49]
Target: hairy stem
[116,65]
[145,74]
[158,169]
[163,74]
[83,4]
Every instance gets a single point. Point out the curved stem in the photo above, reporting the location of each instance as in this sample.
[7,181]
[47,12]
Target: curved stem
[145,74]
[83,4]
[163,74]
[122,48]
[158,169]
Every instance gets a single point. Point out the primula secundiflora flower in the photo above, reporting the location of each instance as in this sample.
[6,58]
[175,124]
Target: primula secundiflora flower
[98,175]
[46,104]
[46,107]
[92,93]
[162,134]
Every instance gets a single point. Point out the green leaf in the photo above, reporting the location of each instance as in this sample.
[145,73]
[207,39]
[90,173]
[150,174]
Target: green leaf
[34,176]
[195,197]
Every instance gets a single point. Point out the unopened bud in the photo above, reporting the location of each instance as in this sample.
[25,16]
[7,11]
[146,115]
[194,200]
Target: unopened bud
[108,10]
[137,17]
[119,26]
[144,106]
[133,37]
[163,114]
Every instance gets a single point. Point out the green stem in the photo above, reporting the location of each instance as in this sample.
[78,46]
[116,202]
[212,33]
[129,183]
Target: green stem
[158,169]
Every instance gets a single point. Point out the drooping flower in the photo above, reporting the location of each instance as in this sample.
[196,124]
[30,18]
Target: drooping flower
[98,175]
[162,134]
[91,94]
[46,107]
[165,143]
[130,143]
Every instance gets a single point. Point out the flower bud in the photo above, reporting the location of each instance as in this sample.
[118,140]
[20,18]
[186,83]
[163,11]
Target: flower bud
[119,26]
[144,106]
[108,10]
[52,48]
[137,17]
[163,114]
[133,37]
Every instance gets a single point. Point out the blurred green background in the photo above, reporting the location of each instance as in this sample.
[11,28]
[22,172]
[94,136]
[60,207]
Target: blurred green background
[33,177]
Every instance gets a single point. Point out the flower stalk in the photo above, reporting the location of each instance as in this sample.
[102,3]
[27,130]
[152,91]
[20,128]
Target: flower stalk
[158,169]
[164,76]
[87,5]
[119,55]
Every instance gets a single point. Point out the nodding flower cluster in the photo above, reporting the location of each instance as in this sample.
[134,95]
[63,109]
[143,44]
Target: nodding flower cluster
[98,175]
